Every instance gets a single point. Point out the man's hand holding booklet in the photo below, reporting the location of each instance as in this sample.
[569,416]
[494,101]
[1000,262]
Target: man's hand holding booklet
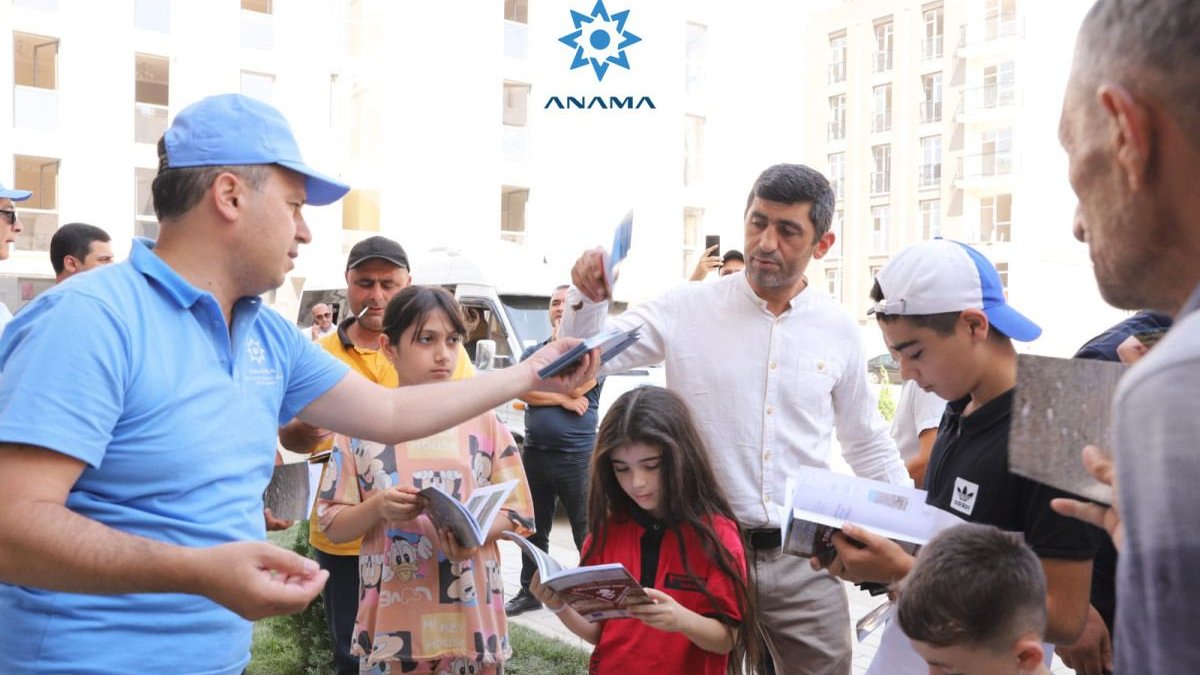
[610,343]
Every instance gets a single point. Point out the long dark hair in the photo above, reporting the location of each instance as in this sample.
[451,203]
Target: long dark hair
[691,498]
[414,305]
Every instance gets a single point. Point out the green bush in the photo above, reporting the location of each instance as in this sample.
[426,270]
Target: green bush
[296,643]
[887,404]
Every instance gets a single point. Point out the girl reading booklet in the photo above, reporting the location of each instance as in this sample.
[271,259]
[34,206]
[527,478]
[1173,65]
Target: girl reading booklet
[656,508]
[427,603]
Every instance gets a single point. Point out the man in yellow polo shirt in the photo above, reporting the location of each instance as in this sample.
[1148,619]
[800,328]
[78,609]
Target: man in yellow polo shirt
[376,270]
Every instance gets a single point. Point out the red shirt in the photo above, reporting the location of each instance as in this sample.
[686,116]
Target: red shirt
[630,647]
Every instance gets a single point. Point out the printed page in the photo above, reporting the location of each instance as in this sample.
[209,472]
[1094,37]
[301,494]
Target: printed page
[894,511]
[548,567]
[485,502]
[447,512]
[1061,405]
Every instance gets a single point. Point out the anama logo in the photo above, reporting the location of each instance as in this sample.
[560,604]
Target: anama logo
[599,39]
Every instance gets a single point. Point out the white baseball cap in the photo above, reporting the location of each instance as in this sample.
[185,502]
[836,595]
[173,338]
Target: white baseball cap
[941,276]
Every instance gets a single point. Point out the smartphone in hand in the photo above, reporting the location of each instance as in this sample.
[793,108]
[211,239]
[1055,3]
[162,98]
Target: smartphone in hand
[711,240]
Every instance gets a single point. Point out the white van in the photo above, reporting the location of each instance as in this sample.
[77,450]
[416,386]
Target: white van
[508,294]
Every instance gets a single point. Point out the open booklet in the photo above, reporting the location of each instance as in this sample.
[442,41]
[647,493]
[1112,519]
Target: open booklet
[610,343]
[1061,405]
[596,592]
[817,502]
[469,522]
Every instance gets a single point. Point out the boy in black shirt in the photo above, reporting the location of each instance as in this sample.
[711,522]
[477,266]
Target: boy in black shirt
[941,307]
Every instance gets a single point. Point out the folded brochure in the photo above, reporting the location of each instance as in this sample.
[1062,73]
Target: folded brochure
[596,592]
[609,342]
[469,522]
[622,239]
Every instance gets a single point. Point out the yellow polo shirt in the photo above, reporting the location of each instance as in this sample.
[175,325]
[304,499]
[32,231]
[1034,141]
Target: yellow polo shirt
[374,366]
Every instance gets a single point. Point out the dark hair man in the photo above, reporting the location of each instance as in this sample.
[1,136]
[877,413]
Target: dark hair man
[79,247]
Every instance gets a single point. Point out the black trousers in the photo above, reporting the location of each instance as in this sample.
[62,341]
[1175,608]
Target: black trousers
[555,475]
[341,607]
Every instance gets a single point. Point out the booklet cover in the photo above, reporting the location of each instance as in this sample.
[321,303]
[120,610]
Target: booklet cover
[610,343]
[469,522]
[293,490]
[817,502]
[1061,405]
[622,239]
[596,592]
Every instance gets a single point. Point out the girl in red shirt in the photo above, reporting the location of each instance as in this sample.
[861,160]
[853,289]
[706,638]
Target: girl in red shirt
[655,507]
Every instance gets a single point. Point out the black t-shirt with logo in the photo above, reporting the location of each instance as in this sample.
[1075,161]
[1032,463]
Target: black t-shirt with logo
[968,476]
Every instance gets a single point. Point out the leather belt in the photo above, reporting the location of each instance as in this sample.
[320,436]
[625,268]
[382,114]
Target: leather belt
[765,539]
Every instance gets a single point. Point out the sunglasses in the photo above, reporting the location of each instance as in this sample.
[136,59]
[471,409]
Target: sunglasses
[326,315]
[10,215]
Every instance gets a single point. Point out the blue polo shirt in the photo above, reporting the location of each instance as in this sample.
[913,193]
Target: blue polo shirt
[133,371]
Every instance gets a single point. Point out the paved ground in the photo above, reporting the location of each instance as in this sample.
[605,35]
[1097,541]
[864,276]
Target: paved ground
[562,548]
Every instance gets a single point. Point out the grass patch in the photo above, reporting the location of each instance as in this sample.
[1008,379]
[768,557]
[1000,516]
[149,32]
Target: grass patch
[299,644]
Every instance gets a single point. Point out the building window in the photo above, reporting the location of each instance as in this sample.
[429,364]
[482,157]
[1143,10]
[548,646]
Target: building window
[931,45]
[837,117]
[1000,19]
[999,86]
[693,149]
[881,120]
[39,213]
[693,222]
[997,152]
[931,218]
[931,161]
[833,283]
[837,58]
[512,213]
[1002,271]
[881,216]
[696,42]
[931,106]
[152,15]
[145,222]
[872,272]
[995,218]
[883,46]
[837,174]
[837,229]
[151,94]
[260,6]
[35,61]
[516,11]
[516,104]
[258,85]
[360,210]
[258,30]
[881,176]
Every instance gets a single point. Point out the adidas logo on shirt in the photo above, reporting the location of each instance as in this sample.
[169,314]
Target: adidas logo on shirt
[963,499]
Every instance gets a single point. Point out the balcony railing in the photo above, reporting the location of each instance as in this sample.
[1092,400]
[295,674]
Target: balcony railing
[882,61]
[881,121]
[992,28]
[930,111]
[837,72]
[995,232]
[516,39]
[929,175]
[881,182]
[989,97]
[931,48]
[985,165]
[149,122]
[835,131]
[35,108]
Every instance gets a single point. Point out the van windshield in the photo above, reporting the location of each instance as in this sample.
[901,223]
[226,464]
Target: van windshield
[530,316]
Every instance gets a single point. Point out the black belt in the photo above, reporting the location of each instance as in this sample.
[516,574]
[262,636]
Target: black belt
[765,539]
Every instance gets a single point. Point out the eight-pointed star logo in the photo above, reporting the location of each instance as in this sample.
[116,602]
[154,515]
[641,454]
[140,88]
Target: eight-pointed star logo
[599,39]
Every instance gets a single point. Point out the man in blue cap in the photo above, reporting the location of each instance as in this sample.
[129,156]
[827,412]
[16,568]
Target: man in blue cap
[138,416]
[10,225]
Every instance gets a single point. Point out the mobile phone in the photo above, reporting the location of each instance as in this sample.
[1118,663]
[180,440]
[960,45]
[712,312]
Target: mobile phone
[711,240]
[1151,338]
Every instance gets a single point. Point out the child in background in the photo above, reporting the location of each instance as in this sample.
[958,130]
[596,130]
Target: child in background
[975,603]
[655,507]
[427,605]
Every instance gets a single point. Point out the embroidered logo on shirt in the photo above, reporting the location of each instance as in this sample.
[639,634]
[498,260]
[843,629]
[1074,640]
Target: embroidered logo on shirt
[963,499]
[682,582]
[255,351]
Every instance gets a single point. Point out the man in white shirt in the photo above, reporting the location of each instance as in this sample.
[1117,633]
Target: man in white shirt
[770,368]
[322,325]
[10,226]
[918,414]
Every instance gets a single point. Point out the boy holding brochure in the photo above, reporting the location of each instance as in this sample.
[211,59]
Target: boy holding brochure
[941,307]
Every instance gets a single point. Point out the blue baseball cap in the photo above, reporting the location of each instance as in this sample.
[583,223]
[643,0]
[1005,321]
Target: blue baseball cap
[15,195]
[236,130]
[941,276]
